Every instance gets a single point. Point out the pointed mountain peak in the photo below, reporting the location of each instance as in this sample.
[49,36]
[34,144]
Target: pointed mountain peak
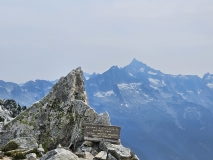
[135,60]
[136,63]
[70,87]
[208,76]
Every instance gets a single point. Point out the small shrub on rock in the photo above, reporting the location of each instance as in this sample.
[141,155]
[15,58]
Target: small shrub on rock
[19,155]
[10,146]
[38,154]
[16,155]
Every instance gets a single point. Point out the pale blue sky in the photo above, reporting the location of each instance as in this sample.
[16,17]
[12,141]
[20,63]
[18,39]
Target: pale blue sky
[47,39]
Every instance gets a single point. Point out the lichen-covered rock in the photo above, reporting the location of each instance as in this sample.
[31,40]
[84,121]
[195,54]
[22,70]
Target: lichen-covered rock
[118,151]
[59,154]
[79,153]
[88,156]
[101,156]
[31,156]
[104,119]
[87,143]
[58,118]
[26,143]
[110,157]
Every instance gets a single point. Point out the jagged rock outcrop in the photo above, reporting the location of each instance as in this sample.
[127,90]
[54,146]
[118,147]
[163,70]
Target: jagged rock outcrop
[12,106]
[9,109]
[58,117]
[5,115]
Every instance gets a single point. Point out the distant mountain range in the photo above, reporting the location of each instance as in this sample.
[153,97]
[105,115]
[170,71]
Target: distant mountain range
[163,117]
[25,94]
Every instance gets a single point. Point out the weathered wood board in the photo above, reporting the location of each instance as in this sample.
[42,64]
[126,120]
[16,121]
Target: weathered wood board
[95,132]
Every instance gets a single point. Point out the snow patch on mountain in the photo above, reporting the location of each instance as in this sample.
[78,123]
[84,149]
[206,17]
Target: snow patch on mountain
[130,86]
[104,94]
[141,70]
[182,76]
[182,95]
[173,113]
[191,112]
[199,91]
[210,85]
[148,97]
[209,78]
[190,91]
[126,105]
[131,75]
[155,88]
[152,73]
[154,81]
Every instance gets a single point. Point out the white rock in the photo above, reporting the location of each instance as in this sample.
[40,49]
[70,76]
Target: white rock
[31,156]
[101,155]
[88,156]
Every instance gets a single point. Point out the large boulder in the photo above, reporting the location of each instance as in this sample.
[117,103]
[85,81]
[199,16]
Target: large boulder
[117,151]
[31,156]
[59,154]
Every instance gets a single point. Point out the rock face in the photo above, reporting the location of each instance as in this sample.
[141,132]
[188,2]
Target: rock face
[9,109]
[58,118]
[5,116]
[12,106]
[25,142]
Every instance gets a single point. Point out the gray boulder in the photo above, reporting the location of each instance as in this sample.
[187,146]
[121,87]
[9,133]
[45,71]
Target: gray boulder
[87,143]
[110,157]
[27,143]
[59,154]
[117,151]
[101,156]
[31,156]
[88,156]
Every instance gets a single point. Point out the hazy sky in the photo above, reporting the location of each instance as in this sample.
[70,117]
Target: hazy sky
[47,39]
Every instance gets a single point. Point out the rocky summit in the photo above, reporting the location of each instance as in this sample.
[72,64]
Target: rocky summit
[56,123]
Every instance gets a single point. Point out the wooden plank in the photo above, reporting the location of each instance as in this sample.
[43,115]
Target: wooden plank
[114,141]
[98,132]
